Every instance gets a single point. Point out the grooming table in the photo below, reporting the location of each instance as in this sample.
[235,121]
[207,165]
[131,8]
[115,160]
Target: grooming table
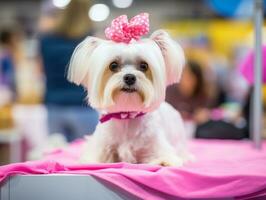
[59,186]
[223,170]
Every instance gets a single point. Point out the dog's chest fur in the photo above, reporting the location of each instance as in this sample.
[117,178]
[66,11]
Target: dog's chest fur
[131,140]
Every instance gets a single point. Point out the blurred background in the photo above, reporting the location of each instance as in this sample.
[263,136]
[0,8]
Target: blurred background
[40,110]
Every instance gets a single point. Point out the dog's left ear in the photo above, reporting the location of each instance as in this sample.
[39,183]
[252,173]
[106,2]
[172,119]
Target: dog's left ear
[173,55]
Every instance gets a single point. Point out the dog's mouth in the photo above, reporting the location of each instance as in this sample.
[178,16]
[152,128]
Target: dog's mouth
[129,90]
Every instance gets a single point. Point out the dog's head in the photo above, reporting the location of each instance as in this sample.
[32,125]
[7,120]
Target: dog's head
[127,77]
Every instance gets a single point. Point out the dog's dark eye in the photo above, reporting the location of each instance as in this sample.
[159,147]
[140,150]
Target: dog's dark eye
[114,66]
[143,66]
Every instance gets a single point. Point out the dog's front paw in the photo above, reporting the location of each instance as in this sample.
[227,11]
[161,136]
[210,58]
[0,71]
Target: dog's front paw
[168,161]
[85,160]
[88,159]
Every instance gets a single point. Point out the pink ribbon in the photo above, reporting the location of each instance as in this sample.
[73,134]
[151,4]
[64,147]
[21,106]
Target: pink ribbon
[123,31]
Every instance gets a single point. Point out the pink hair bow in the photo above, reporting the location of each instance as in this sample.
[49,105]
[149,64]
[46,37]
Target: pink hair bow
[123,31]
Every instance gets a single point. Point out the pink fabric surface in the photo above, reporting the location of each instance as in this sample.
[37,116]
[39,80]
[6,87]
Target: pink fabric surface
[223,169]
[246,67]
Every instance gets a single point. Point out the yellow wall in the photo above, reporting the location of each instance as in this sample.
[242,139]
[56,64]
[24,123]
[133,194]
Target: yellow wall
[223,35]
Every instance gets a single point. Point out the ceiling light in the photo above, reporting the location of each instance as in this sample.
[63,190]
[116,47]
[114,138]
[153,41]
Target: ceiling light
[61,3]
[122,3]
[99,12]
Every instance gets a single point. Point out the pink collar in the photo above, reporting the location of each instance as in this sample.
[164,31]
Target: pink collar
[120,115]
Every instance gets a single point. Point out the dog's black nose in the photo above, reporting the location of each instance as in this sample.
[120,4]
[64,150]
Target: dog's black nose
[129,79]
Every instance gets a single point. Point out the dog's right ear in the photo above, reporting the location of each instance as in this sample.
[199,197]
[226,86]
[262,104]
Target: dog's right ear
[80,61]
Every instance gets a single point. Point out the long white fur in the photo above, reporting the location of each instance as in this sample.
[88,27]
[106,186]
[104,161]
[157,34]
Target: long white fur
[158,136]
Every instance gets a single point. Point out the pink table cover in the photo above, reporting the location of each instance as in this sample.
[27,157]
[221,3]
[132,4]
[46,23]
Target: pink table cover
[223,169]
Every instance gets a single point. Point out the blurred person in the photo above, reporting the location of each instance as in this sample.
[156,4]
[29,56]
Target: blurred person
[8,51]
[190,95]
[9,57]
[66,103]
[48,17]
[194,99]
[226,119]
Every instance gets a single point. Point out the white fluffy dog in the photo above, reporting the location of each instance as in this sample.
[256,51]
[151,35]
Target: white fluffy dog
[126,83]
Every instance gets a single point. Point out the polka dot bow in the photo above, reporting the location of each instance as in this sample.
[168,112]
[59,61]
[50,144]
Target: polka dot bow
[123,31]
